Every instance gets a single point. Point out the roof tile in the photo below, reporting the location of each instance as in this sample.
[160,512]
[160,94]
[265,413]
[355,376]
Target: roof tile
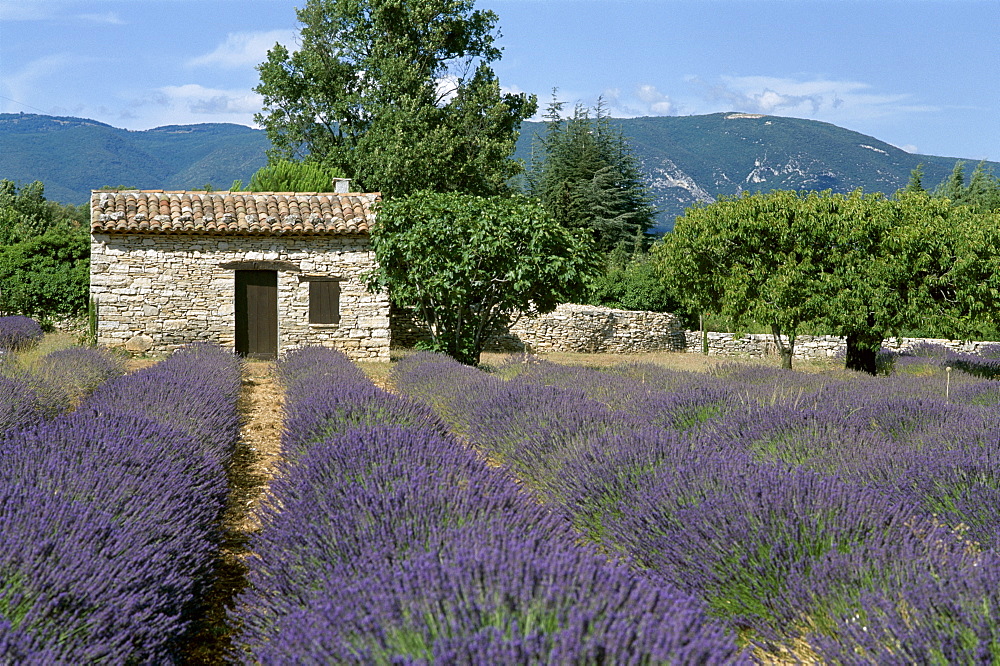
[231,213]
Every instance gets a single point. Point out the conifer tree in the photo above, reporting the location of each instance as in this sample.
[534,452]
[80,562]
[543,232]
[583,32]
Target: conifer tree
[916,183]
[587,177]
[953,187]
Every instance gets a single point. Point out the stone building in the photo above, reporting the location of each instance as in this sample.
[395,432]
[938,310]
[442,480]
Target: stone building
[258,272]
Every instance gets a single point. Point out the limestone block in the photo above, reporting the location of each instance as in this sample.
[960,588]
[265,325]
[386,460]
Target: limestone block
[139,343]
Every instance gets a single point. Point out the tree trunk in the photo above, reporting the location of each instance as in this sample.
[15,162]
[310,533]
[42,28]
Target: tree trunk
[785,351]
[862,351]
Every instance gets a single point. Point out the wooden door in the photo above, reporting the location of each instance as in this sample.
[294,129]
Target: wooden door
[257,314]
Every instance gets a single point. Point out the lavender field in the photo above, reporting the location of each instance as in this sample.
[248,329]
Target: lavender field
[535,513]
[111,489]
[827,517]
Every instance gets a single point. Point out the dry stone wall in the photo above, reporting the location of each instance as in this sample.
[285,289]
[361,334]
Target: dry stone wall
[806,346]
[155,293]
[585,328]
[574,328]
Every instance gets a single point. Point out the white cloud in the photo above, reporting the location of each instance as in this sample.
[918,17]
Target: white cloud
[818,98]
[656,103]
[22,85]
[107,18]
[645,100]
[22,10]
[241,49]
[199,100]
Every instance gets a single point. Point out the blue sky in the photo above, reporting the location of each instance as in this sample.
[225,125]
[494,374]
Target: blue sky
[919,74]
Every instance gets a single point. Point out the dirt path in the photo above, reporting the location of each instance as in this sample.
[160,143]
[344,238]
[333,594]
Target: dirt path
[255,463]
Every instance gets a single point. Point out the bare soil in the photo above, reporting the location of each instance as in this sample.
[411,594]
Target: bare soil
[255,463]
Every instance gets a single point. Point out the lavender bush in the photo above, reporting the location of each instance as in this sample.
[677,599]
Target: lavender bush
[786,501]
[19,404]
[442,558]
[110,514]
[516,601]
[947,616]
[18,333]
[63,378]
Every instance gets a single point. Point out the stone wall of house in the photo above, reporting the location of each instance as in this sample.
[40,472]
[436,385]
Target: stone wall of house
[574,328]
[155,293]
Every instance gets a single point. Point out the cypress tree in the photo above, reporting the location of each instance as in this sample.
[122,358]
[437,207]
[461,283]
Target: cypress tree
[588,178]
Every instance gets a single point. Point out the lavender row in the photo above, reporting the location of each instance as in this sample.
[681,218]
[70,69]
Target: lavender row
[924,435]
[793,524]
[392,543]
[110,515]
[52,384]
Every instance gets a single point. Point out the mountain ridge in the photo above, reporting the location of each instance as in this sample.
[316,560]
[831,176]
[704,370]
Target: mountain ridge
[686,159]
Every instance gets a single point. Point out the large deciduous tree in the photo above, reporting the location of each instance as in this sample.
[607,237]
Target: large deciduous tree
[44,253]
[751,258]
[470,265]
[864,266]
[397,94]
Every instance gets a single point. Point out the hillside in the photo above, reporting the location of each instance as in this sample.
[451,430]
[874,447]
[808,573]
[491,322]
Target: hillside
[698,158]
[687,158]
[72,156]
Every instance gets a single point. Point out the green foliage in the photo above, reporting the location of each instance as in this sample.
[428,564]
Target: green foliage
[48,275]
[754,258]
[586,175]
[397,95]
[916,183]
[290,176]
[44,254]
[636,285]
[23,211]
[981,193]
[470,265]
[862,266]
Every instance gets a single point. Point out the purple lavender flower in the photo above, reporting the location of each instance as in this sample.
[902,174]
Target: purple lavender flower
[517,601]
[19,404]
[18,333]
[109,514]
[948,615]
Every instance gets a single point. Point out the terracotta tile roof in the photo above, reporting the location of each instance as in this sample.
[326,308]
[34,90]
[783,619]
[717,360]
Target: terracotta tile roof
[231,213]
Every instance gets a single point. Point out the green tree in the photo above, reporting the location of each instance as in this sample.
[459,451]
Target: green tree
[469,265]
[983,191]
[633,285]
[44,253]
[46,275]
[290,176]
[916,183]
[397,94]
[586,175]
[861,265]
[753,258]
[24,212]
[953,187]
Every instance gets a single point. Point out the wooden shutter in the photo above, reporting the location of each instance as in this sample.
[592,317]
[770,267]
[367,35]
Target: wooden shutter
[324,301]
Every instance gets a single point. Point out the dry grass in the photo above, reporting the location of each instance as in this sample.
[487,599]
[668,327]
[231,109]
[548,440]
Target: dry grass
[378,372]
[49,343]
[254,466]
